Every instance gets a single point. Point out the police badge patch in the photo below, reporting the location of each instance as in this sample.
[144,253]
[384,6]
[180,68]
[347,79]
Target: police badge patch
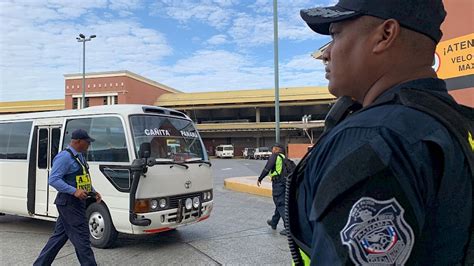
[376,232]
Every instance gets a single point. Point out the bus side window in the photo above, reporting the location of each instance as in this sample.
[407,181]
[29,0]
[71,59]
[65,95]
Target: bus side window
[110,144]
[55,136]
[43,148]
[4,135]
[109,134]
[14,139]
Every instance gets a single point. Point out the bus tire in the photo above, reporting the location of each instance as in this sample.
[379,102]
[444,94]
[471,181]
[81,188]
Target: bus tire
[101,229]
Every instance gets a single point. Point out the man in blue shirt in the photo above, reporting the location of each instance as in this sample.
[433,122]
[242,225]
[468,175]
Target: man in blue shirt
[70,177]
[389,184]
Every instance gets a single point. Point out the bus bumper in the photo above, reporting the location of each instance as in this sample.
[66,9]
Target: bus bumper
[170,219]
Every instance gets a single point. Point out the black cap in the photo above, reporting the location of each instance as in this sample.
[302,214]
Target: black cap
[81,134]
[278,145]
[423,16]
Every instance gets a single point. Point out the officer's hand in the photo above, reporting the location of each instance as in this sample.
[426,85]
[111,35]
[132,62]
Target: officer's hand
[98,197]
[258,183]
[80,194]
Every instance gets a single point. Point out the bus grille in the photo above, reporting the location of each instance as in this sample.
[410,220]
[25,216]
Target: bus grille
[173,203]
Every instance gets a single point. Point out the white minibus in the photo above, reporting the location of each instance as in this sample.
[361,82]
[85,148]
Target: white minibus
[149,164]
[225,151]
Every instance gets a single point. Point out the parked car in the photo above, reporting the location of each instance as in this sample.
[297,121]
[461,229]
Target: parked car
[248,153]
[262,153]
[225,151]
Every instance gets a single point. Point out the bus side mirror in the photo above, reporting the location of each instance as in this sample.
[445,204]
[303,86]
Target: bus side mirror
[145,150]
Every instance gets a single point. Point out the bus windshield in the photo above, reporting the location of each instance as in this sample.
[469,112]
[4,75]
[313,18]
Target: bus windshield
[170,138]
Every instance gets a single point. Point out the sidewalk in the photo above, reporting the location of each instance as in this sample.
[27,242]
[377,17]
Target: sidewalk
[248,184]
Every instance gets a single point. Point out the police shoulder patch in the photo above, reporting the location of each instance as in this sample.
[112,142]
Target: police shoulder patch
[376,232]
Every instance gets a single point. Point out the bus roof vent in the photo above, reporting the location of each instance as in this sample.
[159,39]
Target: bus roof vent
[153,110]
[177,114]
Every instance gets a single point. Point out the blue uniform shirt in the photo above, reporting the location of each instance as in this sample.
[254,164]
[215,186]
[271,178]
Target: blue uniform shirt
[64,164]
[381,162]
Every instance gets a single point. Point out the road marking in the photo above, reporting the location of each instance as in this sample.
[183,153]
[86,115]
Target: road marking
[226,169]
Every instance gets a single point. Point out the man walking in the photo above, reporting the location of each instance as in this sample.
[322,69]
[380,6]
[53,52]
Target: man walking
[274,167]
[70,177]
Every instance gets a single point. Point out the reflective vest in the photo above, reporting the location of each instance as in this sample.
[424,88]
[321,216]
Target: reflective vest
[278,166]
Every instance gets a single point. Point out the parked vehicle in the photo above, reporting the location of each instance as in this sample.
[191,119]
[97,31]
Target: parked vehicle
[173,154]
[262,153]
[248,153]
[225,151]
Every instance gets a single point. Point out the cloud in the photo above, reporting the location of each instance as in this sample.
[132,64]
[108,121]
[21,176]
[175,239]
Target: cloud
[248,25]
[34,55]
[37,49]
[40,11]
[217,39]
[210,70]
[303,70]
[123,5]
[216,13]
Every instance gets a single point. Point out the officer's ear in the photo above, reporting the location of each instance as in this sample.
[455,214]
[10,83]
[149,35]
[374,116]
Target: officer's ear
[385,35]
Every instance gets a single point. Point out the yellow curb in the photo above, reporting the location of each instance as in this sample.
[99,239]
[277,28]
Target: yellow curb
[249,185]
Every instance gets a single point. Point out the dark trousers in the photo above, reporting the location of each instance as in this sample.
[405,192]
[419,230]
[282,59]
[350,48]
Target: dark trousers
[278,193]
[72,225]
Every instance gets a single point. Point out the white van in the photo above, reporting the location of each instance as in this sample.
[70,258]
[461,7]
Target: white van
[225,151]
[172,186]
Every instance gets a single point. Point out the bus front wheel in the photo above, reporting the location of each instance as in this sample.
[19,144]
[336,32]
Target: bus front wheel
[101,229]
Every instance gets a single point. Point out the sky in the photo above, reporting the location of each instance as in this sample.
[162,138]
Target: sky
[189,45]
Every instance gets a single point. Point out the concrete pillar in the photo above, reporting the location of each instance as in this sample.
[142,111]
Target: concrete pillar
[257,115]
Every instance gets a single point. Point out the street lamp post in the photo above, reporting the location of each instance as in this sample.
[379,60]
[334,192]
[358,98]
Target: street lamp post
[276,74]
[82,38]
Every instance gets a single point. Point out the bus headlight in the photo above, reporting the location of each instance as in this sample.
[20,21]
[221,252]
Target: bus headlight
[188,204]
[154,204]
[207,196]
[162,203]
[196,202]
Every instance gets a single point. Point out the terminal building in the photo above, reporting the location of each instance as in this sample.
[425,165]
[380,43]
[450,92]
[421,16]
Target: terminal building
[243,118]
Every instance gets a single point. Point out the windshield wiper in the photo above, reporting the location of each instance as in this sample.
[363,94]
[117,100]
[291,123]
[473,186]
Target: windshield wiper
[198,160]
[167,161]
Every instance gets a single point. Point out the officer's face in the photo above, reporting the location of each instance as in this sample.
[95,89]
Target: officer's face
[347,58]
[84,145]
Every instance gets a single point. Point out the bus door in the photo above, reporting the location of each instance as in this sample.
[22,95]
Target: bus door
[47,148]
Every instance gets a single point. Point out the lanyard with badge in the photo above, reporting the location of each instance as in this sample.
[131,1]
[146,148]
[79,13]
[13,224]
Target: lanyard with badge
[82,181]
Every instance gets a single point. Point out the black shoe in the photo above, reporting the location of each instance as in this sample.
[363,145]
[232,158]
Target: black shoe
[284,232]
[273,226]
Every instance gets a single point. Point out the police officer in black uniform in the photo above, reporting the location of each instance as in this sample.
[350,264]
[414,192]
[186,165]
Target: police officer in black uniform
[389,184]
[70,177]
[274,168]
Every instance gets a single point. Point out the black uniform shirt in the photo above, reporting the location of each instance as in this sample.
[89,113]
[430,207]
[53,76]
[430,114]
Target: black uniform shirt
[388,184]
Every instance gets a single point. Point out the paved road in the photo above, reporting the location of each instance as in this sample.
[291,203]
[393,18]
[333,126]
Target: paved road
[236,233]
